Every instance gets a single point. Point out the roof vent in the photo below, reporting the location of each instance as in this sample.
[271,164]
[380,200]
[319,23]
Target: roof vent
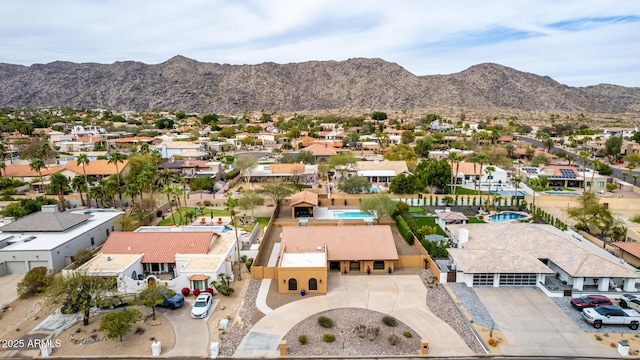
[129,248]
[108,258]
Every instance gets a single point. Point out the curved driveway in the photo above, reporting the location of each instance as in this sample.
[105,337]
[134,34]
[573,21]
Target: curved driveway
[401,296]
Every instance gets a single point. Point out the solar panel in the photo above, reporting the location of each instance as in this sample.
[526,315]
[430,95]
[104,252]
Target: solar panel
[568,173]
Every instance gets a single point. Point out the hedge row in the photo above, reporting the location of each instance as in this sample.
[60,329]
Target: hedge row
[404,229]
[231,174]
[411,222]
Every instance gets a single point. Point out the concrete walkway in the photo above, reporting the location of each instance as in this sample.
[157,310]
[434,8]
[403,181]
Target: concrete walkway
[261,298]
[401,296]
[8,288]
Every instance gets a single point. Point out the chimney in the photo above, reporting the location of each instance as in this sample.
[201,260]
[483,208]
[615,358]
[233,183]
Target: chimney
[8,220]
[49,208]
[463,237]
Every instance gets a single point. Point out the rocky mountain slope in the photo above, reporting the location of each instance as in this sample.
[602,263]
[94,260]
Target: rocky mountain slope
[357,84]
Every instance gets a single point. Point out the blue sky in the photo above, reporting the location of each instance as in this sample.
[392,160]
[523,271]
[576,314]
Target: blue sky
[578,43]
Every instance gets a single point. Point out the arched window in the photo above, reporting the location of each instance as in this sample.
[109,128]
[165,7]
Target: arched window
[293,284]
[313,284]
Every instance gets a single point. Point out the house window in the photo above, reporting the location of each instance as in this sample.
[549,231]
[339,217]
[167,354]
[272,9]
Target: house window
[107,232]
[155,267]
[293,284]
[199,284]
[378,265]
[483,279]
[93,241]
[600,184]
[313,284]
[630,239]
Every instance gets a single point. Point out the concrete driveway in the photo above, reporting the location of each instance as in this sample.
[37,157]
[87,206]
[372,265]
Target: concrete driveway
[401,296]
[192,335]
[533,325]
[8,285]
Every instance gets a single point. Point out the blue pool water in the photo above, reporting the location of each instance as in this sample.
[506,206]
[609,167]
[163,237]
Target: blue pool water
[508,193]
[506,216]
[226,229]
[374,189]
[355,214]
[564,193]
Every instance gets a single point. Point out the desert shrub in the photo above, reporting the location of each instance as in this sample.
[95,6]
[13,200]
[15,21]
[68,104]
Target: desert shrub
[328,338]
[394,339]
[139,330]
[390,321]
[231,174]
[243,258]
[598,337]
[207,203]
[325,322]
[249,263]
[36,281]
[209,290]
[302,339]
[404,229]
[493,342]
[185,291]
[196,292]
[407,334]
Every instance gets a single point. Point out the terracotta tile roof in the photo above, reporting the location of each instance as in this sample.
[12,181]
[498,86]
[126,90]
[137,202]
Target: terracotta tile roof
[90,139]
[136,139]
[286,168]
[466,168]
[534,241]
[158,247]
[319,150]
[198,277]
[399,166]
[178,145]
[505,138]
[632,248]
[304,197]
[342,242]
[96,167]
[25,171]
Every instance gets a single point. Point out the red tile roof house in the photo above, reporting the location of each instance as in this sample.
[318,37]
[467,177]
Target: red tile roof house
[178,257]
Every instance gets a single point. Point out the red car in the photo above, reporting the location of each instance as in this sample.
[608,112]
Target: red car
[590,301]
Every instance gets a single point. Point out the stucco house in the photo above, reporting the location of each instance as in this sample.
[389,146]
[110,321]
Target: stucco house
[51,239]
[524,254]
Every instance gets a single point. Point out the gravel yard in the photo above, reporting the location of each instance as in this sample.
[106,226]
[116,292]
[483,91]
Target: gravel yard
[473,305]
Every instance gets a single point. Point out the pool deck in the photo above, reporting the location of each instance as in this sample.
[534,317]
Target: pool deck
[323,213]
[525,216]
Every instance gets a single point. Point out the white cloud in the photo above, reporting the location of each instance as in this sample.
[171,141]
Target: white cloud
[424,37]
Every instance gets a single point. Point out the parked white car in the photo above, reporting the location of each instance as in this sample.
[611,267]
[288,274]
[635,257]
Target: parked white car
[201,307]
[611,315]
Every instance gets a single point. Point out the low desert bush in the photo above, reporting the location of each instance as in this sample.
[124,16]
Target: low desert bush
[407,334]
[493,342]
[325,322]
[302,339]
[328,338]
[390,321]
[394,339]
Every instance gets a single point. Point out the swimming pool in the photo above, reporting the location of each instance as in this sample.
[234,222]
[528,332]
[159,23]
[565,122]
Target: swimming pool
[562,193]
[346,214]
[506,216]
[374,189]
[508,193]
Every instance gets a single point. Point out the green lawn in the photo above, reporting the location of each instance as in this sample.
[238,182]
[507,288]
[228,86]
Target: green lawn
[262,222]
[475,220]
[178,215]
[431,221]
[417,210]
[464,191]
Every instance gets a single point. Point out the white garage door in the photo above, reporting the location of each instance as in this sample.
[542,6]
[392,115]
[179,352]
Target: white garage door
[34,264]
[16,267]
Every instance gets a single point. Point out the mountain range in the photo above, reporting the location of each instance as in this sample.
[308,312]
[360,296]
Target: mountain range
[181,83]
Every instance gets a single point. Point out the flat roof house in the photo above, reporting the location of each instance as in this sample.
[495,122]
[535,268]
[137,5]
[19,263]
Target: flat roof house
[517,254]
[51,239]
[307,253]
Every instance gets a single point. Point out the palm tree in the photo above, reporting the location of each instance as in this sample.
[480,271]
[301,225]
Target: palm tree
[455,158]
[83,160]
[635,178]
[230,204]
[584,156]
[109,189]
[511,150]
[79,185]
[37,164]
[489,170]
[184,182]
[144,148]
[516,181]
[147,179]
[177,192]
[59,185]
[132,190]
[595,164]
[533,184]
[482,159]
[166,189]
[115,158]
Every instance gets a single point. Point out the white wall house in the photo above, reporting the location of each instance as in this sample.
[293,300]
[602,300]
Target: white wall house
[50,238]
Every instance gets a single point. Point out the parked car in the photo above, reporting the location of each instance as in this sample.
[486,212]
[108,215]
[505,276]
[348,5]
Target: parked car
[201,306]
[634,304]
[611,315]
[587,301]
[626,298]
[172,300]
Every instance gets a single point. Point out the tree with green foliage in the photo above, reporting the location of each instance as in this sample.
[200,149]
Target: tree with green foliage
[118,323]
[277,192]
[589,213]
[379,115]
[424,146]
[304,157]
[36,281]
[246,164]
[612,147]
[227,132]
[540,159]
[434,173]
[341,162]
[250,200]
[407,136]
[405,184]
[153,296]
[80,291]
[517,180]
[83,160]
[401,152]
[378,206]
[355,185]
[455,159]
[209,119]
[59,185]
